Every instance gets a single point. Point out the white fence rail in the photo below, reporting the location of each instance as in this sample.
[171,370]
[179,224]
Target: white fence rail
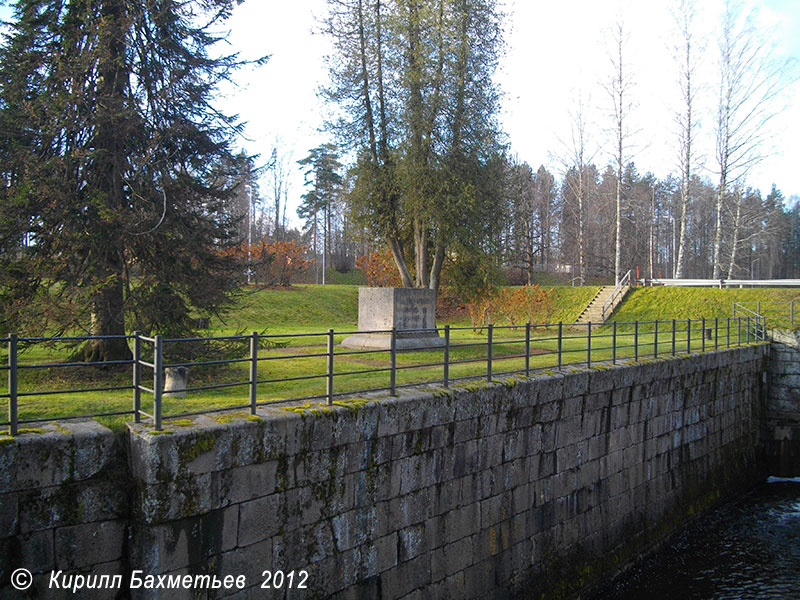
[775,313]
[722,283]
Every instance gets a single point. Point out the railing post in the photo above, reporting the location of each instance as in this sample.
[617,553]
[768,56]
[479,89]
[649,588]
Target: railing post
[137,378]
[738,331]
[446,355]
[613,342]
[589,344]
[688,336]
[13,421]
[158,381]
[791,313]
[489,353]
[253,371]
[329,378]
[702,334]
[655,340]
[560,341]
[716,333]
[393,372]
[527,349]
[636,340]
[673,336]
[728,334]
[747,331]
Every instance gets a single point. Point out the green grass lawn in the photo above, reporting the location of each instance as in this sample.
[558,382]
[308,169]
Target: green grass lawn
[648,303]
[302,308]
[296,370]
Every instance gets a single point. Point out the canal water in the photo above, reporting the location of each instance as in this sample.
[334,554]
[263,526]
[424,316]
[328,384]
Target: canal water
[748,549]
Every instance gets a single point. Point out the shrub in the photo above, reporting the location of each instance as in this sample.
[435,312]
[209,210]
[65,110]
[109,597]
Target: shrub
[379,269]
[273,263]
[515,306]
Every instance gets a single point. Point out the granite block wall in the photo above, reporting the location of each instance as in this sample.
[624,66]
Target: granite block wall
[784,374]
[782,424]
[518,487]
[515,488]
[63,506]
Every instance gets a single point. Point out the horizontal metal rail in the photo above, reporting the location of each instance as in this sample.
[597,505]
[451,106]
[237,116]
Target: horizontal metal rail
[616,294]
[775,313]
[559,346]
[723,283]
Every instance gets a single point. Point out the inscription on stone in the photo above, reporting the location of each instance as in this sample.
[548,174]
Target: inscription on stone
[381,309]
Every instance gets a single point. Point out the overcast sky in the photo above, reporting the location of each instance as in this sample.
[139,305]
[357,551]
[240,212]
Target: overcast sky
[554,49]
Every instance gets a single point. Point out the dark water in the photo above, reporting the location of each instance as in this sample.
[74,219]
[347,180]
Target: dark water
[747,549]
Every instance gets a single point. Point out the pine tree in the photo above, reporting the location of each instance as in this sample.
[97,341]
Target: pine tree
[111,159]
[321,169]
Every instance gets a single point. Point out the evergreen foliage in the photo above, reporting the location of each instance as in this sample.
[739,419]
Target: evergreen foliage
[413,81]
[114,167]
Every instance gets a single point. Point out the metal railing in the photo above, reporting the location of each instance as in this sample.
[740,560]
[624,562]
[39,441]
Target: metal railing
[611,301]
[778,313]
[506,350]
[722,283]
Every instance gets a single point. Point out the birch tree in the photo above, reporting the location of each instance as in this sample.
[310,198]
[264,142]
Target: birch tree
[576,161]
[751,83]
[685,57]
[618,88]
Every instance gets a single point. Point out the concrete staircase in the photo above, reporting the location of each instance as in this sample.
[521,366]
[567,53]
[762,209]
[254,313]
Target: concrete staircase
[594,310]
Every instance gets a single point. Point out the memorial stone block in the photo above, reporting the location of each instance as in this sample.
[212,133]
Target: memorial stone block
[411,310]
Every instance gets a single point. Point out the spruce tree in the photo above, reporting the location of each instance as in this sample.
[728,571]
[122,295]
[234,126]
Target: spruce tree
[111,199]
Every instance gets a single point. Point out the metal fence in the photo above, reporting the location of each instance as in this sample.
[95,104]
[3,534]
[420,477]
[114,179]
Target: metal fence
[616,295]
[722,283]
[506,350]
[777,313]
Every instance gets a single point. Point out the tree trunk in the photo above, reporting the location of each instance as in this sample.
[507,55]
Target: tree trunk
[735,241]
[108,300]
[618,233]
[400,262]
[108,320]
[436,268]
[529,251]
[681,259]
[718,230]
[421,253]
[652,232]
[581,226]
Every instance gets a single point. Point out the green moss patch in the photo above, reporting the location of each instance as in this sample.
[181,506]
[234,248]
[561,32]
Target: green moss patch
[237,416]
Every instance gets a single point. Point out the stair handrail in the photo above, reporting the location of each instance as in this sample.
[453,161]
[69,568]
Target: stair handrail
[740,309]
[610,303]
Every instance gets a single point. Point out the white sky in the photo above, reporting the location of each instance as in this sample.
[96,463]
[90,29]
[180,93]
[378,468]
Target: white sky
[554,49]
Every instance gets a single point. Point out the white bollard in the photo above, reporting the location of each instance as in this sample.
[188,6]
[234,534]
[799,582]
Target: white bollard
[175,380]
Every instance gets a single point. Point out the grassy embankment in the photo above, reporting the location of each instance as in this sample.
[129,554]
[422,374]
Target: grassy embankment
[315,309]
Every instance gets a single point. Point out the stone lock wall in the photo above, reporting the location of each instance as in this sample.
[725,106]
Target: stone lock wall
[782,425]
[64,505]
[784,374]
[519,487]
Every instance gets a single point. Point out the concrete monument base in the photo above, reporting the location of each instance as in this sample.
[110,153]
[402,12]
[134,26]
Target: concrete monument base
[381,309]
